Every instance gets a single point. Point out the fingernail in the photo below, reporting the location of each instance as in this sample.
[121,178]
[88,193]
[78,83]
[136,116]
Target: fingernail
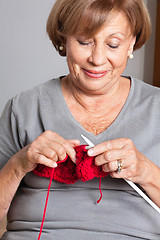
[74,159]
[55,165]
[90,152]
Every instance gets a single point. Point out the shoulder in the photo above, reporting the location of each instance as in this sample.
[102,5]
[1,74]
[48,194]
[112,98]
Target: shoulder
[145,101]
[31,98]
[145,89]
[144,94]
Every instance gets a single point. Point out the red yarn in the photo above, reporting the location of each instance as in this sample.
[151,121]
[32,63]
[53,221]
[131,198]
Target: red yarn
[45,208]
[100,180]
[69,172]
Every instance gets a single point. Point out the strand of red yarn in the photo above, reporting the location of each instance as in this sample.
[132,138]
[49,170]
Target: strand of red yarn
[46,203]
[100,181]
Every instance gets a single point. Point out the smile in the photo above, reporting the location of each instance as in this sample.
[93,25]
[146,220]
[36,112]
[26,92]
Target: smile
[95,74]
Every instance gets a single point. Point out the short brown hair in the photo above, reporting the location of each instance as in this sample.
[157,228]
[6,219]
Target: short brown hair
[69,17]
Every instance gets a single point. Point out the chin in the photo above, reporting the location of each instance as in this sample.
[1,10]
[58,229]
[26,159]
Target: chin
[93,87]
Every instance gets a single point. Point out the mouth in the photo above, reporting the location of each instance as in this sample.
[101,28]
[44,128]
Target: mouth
[95,74]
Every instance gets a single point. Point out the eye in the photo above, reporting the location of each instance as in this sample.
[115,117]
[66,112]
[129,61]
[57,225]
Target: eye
[84,43]
[113,46]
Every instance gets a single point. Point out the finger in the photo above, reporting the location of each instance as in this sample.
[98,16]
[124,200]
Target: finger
[74,142]
[109,156]
[113,166]
[41,159]
[103,147]
[52,136]
[123,174]
[58,151]
[69,147]
[110,167]
[51,149]
[48,152]
[34,157]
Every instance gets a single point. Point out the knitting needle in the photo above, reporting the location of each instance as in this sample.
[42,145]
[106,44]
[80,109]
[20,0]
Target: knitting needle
[90,144]
[141,193]
[133,185]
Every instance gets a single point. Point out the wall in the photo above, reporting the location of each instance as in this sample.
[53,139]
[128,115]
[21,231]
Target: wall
[27,57]
[142,65]
[150,46]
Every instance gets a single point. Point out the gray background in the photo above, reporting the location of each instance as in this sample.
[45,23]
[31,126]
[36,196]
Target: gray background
[27,57]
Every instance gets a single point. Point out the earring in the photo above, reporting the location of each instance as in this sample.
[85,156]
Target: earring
[131,56]
[61,48]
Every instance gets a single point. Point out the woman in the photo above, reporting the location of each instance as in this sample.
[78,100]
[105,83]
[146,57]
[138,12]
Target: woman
[119,114]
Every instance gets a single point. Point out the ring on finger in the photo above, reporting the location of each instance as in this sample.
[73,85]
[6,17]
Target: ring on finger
[120,165]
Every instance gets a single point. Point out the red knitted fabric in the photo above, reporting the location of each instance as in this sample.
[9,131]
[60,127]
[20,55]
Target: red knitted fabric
[69,172]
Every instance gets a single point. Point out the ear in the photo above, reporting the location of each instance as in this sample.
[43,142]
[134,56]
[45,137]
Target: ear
[131,46]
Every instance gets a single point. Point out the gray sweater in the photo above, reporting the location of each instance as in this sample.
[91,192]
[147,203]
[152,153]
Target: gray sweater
[72,211]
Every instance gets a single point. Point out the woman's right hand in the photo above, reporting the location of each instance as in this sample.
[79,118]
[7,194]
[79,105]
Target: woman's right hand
[46,149]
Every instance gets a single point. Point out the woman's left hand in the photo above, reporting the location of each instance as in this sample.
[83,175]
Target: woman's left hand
[134,165]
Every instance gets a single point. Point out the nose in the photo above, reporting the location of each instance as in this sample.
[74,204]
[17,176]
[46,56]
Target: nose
[98,56]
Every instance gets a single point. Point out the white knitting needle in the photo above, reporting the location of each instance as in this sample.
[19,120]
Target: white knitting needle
[133,185]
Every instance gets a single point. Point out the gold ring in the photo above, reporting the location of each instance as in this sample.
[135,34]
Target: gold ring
[120,165]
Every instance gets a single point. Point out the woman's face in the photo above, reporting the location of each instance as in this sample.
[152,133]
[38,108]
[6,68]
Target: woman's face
[96,64]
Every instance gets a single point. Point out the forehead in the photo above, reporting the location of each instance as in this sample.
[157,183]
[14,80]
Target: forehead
[116,24]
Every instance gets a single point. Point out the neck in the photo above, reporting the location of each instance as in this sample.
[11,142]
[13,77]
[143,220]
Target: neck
[95,103]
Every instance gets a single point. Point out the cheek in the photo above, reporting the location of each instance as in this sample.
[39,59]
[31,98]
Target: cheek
[71,60]
[73,54]
[73,64]
[75,60]
[119,60]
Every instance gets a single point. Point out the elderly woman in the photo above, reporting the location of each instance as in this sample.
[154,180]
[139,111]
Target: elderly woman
[119,114]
